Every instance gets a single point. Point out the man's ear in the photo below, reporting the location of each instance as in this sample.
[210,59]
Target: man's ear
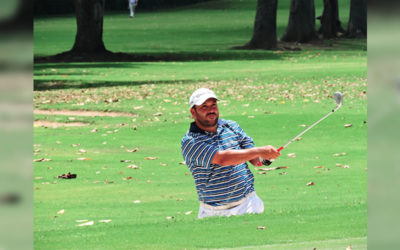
[192,111]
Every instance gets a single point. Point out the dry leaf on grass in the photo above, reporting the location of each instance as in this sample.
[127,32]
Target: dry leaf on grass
[132,150]
[170,217]
[62,211]
[80,221]
[151,158]
[310,183]
[189,212]
[84,159]
[133,167]
[182,163]
[318,167]
[136,201]
[104,221]
[291,155]
[348,125]
[127,178]
[163,164]
[261,227]
[340,154]
[82,150]
[41,160]
[125,161]
[89,223]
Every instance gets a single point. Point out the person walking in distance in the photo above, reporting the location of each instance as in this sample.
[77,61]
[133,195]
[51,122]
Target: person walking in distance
[132,6]
[216,151]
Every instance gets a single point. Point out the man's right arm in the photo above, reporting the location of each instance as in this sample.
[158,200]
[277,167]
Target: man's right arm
[232,157]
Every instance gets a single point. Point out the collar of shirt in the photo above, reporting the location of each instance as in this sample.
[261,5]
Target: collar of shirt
[195,129]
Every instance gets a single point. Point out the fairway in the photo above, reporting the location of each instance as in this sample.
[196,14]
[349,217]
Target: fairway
[132,190]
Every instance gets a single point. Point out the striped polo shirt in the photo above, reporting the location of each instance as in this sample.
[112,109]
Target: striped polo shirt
[217,185]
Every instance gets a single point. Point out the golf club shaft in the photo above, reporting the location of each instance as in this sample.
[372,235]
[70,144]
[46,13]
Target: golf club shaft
[268,162]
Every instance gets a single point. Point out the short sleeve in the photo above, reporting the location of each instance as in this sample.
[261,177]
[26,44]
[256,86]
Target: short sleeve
[198,153]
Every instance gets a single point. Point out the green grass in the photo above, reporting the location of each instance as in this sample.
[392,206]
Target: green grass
[271,94]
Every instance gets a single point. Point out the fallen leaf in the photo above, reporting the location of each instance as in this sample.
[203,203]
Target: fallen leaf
[283,173]
[125,161]
[318,167]
[263,172]
[310,183]
[62,211]
[82,150]
[291,155]
[75,145]
[163,164]
[170,217]
[298,139]
[138,107]
[41,159]
[133,167]
[89,223]
[261,227]
[84,159]
[303,125]
[348,247]
[136,201]
[187,173]
[127,178]
[157,114]
[79,221]
[38,178]
[189,212]
[132,150]
[182,163]
[151,158]
[104,221]
[58,142]
[348,125]
[94,130]
[179,199]
[339,154]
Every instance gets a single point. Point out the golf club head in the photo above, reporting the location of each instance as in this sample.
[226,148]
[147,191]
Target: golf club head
[338,98]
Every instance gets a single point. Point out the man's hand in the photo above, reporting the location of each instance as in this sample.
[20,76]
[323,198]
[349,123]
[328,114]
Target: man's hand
[269,152]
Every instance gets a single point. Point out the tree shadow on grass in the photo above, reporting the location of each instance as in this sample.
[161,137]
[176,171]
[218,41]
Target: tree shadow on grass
[160,56]
[42,85]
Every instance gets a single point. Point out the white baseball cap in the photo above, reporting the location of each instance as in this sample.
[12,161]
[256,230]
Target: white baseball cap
[200,96]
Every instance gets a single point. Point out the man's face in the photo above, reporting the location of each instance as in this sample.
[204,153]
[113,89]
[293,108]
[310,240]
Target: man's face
[206,114]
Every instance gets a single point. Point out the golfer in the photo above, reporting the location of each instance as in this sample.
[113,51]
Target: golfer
[216,152]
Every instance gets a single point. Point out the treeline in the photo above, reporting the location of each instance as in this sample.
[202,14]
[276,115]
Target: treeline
[51,7]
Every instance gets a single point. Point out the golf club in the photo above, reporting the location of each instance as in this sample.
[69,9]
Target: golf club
[338,99]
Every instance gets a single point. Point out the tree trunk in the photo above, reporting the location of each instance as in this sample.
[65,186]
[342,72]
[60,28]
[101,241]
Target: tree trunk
[330,23]
[301,26]
[358,19]
[264,33]
[89,19]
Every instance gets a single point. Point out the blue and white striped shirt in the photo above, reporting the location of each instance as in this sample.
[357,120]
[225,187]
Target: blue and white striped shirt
[217,185]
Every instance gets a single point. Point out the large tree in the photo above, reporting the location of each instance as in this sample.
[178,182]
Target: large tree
[301,26]
[358,19]
[264,33]
[330,24]
[89,19]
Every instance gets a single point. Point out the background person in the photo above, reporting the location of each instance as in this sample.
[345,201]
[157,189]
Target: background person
[132,6]
[216,152]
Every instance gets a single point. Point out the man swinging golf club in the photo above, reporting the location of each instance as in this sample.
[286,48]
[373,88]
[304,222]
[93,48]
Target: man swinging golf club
[216,152]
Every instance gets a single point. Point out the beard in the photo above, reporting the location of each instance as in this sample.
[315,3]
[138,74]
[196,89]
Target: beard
[207,123]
